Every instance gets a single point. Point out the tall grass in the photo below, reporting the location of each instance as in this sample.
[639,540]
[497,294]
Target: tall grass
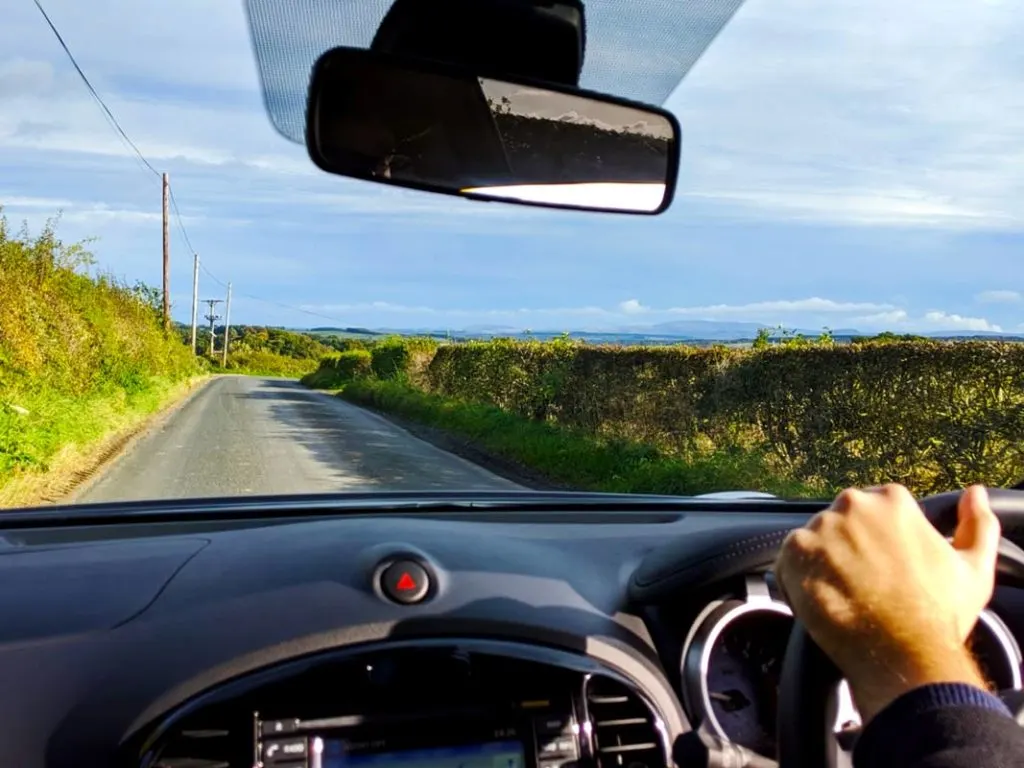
[82,354]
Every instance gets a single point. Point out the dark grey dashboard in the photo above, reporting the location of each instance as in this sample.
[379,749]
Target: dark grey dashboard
[107,629]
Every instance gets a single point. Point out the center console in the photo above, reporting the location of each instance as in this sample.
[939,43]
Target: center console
[442,705]
[543,735]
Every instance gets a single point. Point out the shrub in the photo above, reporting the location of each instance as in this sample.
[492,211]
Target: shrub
[337,370]
[354,364]
[264,363]
[78,349]
[933,415]
[402,358]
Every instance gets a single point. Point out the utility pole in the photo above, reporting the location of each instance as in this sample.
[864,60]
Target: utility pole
[195,299]
[167,254]
[227,328]
[212,316]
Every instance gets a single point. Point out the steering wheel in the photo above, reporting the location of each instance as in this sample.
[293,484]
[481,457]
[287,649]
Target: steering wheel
[809,677]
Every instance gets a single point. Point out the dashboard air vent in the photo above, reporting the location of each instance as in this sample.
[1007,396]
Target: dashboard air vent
[204,746]
[623,727]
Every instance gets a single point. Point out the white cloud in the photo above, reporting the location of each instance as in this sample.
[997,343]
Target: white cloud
[38,209]
[998,297]
[632,307]
[860,112]
[868,207]
[934,320]
[883,319]
[761,308]
[943,320]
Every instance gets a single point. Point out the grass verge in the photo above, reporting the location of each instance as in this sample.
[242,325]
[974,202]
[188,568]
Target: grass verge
[570,459]
[69,438]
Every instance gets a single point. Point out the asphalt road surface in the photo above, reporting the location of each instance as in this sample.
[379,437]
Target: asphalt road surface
[241,435]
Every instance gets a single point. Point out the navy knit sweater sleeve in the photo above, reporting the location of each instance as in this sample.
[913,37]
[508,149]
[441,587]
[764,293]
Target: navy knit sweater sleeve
[945,725]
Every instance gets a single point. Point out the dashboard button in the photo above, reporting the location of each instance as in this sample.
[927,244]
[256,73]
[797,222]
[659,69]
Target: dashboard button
[559,746]
[405,582]
[553,725]
[276,727]
[283,750]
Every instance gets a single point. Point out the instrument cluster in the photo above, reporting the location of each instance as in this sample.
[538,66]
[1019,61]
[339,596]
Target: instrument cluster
[732,666]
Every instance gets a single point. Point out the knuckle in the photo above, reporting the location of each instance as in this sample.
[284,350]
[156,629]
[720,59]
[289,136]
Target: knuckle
[825,521]
[800,542]
[847,499]
[896,492]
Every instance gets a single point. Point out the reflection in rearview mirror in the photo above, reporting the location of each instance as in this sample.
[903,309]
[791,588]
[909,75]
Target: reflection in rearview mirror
[422,125]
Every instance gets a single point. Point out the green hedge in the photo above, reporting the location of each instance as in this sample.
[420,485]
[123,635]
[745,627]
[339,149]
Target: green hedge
[80,351]
[337,370]
[393,358]
[264,363]
[932,415]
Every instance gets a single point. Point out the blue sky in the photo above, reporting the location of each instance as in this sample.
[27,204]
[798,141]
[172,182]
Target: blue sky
[857,163]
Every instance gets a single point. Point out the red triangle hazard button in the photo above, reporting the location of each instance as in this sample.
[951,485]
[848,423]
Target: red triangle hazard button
[405,582]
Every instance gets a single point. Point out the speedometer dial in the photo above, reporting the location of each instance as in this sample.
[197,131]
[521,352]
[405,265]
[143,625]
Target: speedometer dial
[732,667]
[744,669]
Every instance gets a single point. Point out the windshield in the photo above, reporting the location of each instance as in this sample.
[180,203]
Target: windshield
[190,308]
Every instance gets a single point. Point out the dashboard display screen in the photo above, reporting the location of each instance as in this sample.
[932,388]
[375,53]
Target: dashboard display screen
[495,754]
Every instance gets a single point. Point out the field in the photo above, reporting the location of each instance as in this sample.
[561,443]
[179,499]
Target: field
[801,417]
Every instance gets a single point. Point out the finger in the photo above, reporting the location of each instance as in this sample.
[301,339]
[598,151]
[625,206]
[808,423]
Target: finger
[848,499]
[780,581]
[978,530]
[790,548]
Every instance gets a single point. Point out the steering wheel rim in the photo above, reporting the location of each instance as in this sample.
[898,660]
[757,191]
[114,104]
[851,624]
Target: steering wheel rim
[809,677]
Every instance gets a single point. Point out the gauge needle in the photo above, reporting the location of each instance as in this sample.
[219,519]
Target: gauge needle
[731,701]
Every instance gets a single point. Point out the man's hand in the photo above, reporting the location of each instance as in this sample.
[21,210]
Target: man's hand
[889,599]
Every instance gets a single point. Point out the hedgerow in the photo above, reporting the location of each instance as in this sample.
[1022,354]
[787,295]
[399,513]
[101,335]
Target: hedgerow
[933,415]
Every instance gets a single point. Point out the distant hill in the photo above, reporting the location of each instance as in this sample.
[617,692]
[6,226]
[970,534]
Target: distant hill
[345,331]
[672,332]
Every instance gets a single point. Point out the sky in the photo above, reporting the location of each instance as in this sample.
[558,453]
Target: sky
[850,164]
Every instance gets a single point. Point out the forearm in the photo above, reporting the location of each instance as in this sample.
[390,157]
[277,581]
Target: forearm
[944,725]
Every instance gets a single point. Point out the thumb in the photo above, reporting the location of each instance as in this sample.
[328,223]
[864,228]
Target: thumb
[978,530]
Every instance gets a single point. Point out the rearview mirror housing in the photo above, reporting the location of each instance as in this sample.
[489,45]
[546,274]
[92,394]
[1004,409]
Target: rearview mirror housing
[427,125]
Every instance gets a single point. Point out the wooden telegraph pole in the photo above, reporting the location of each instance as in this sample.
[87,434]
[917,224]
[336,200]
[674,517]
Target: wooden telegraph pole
[195,298]
[167,255]
[227,329]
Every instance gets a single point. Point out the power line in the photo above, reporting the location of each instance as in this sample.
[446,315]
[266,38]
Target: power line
[112,120]
[294,309]
[95,95]
[212,276]
[181,225]
[109,116]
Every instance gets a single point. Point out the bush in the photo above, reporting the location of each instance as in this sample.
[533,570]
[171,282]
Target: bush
[401,358]
[933,415]
[354,364]
[78,350]
[262,363]
[337,370]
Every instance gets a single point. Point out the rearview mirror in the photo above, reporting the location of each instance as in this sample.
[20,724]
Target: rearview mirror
[424,125]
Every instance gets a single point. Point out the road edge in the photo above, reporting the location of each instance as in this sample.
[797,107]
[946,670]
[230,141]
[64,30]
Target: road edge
[115,447]
[462,447]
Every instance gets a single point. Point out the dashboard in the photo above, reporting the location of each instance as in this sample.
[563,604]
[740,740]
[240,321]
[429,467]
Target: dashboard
[480,639]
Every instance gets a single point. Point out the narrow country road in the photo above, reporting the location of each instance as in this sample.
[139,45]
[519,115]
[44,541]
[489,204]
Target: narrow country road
[241,435]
